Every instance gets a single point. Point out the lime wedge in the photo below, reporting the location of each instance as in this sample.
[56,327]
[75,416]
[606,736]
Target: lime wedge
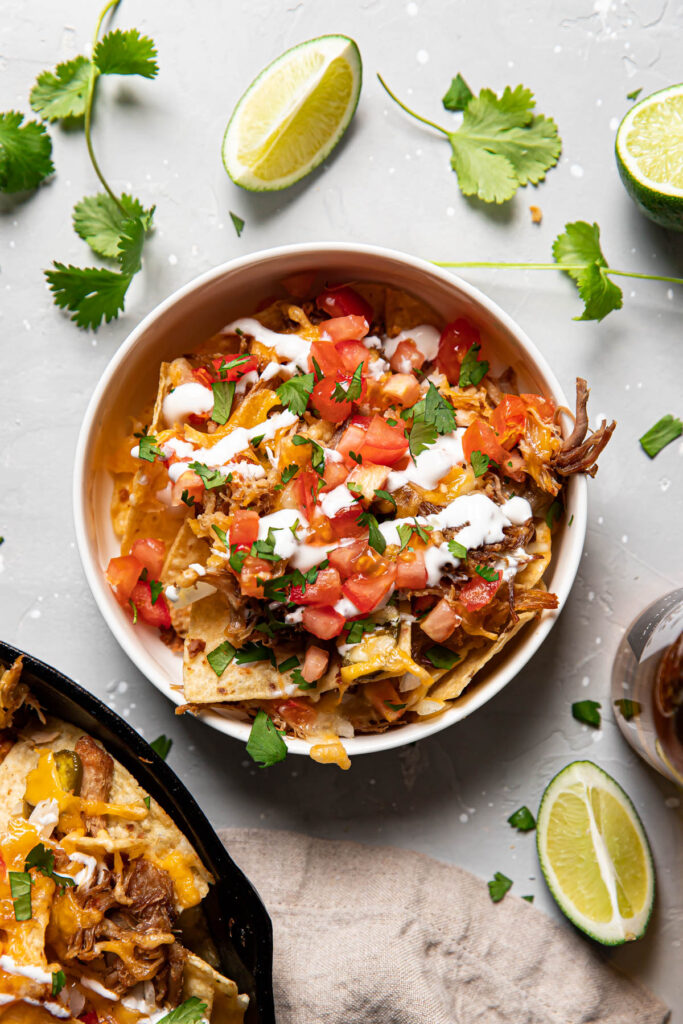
[649,152]
[294,114]
[595,855]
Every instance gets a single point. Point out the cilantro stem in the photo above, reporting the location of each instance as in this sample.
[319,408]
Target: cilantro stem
[412,113]
[89,104]
[472,264]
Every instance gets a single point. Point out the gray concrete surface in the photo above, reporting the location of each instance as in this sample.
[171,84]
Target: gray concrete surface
[389,183]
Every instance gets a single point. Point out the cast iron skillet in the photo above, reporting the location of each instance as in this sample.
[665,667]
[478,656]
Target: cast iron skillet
[238,921]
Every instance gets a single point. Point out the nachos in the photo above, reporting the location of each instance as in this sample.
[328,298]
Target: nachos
[340,509]
[100,893]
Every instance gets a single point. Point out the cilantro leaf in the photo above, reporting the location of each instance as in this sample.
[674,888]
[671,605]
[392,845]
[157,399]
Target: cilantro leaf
[529,899]
[501,144]
[358,629]
[438,411]
[458,95]
[288,664]
[635,94]
[266,548]
[189,1012]
[265,744]
[156,587]
[472,370]
[131,241]
[99,221]
[385,496]
[220,657]
[147,446]
[587,712]
[457,549]
[395,707]
[420,437]
[162,746]
[25,153]
[58,982]
[554,513]
[20,888]
[480,463]
[92,294]
[44,860]
[294,393]
[628,708]
[126,53]
[221,534]
[663,433]
[352,391]
[487,573]
[441,657]
[238,223]
[223,395]
[577,251]
[253,652]
[317,452]
[289,472]
[237,559]
[301,682]
[498,886]
[62,93]
[376,537]
[522,819]
[211,478]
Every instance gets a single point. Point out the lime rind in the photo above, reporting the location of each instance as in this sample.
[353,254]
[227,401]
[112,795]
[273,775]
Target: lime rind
[330,48]
[651,136]
[618,929]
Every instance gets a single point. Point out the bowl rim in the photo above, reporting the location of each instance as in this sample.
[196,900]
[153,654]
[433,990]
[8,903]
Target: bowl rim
[372,742]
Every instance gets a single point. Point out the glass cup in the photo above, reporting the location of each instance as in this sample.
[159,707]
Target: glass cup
[647,685]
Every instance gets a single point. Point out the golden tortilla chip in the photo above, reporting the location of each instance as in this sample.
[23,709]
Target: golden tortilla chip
[224,1004]
[541,547]
[404,311]
[454,681]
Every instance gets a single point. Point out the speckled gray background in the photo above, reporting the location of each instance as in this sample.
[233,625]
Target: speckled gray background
[389,183]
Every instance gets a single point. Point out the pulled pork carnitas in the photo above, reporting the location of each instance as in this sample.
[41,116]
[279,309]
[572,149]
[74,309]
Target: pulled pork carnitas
[343,509]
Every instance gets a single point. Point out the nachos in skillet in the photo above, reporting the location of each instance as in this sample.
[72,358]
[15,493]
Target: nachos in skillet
[340,512]
[100,893]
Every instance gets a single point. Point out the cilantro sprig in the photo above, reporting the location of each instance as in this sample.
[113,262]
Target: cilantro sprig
[25,153]
[577,252]
[265,744]
[115,227]
[295,392]
[502,143]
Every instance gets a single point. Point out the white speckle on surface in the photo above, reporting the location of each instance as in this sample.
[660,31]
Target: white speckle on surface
[601,520]
[598,640]
[585,681]
[392,170]
[664,484]
[34,613]
[597,736]
[672,801]
[172,259]
[464,818]
[670,294]
[450,211]
[591,595]
[27,326]
[422,56]
[576,171]
[412,10]
[598,103]
[613,123]
[557,48]
[624,538]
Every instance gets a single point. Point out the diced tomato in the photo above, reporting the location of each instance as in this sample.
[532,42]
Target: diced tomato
[508,420]
[151,553]
[351,354]
[192,483]
[244,528]
[253,570]
[344,558]
[323,622]
[306,486]
[385,698]
[328,407]
[344,301]
[406,357]
[247,365]
[315,663]
[345,523]
[480,437]
[325,590]
[296,713]
[543,406]
[369,477]
[344,328]
[335,474]
[204,376]
[89,1017]
[367,592]
[123,573]
[411,571]
[477,593]
[402,388]
[441,621]
[351,440]
[456,338]
[156,614]
[383,443]
[324,354]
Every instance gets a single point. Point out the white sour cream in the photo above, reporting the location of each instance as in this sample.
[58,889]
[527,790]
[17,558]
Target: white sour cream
[432,464]
[45,816]
[290,346]
[185,400]
[25,970]
[426,339]
[308,555]
[88,869]
[91,983]
[347,608]
[282,522]
[334,501]
[218,456]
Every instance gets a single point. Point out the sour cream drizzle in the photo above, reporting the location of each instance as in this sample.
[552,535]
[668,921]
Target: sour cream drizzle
[185,400]
[426,339]
[432,464]
[290,346]
[8,964]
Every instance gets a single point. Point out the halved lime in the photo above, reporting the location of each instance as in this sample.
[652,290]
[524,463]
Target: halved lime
[595,855]
[649,151]
[294,114]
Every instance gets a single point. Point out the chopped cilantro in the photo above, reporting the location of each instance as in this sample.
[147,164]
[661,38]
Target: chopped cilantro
[237,223]
[256,441]
[588,712]
[457,549]
[236,560]
[162,746]
[522,819]
[628,707]
[189,1012]
[223,395]
[211,478]
[421,436]
[266,548]
[356,458]
[441,657]
[480,463]
[295,392]
[472,370]
[253,652]
[146,801]
[289,472]
[134,610]
[317,452]
[529,899]
[498,886]
[438,411]
[220,657]
[395,707]
[156,588]
[265,744]
[385,496]
[358,629]
[302,683]
[554,513]
[187,498]
[44,861]
[458,95]
[58,982]
[221,534]
[663,433]
[20,888]
[289,664]
[147,447]
[318,372]
[487,573]
[376,538]
[352,392]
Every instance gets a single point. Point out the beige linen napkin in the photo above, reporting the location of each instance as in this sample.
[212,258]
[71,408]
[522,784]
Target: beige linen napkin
[376,935]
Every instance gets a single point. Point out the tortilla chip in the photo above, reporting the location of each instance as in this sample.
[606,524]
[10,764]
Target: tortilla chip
[120,501]
[541,547]
[187,549]
[12,692]
[454,681]
[224,1004]
[404,311]
[147,515]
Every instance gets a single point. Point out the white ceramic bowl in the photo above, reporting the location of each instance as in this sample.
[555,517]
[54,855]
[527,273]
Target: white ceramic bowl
[197,311]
